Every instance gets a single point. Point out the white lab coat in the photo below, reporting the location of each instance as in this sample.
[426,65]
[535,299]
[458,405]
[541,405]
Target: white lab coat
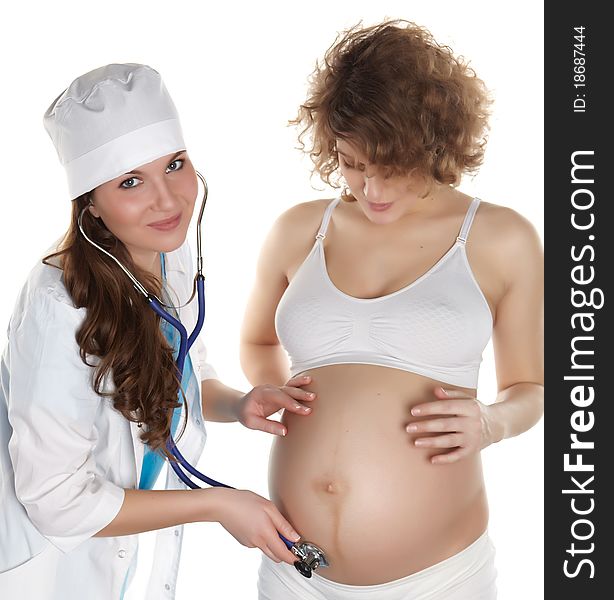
[66,454]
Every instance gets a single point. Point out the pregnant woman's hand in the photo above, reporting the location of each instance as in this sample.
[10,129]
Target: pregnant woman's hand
[464,419]
[255,522]
[264,400]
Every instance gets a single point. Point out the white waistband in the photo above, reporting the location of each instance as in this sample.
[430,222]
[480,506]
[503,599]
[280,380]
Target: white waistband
[470,558]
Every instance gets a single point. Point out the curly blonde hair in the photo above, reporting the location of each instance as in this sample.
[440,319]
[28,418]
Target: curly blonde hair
[406,101]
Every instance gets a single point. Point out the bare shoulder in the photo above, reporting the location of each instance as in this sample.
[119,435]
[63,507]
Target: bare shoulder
[303,216]
[293,233]
[505,230]
[299,224]
[507,246]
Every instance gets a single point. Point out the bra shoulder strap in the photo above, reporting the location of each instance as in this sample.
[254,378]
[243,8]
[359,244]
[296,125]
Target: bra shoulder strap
[466,226]
[325,220]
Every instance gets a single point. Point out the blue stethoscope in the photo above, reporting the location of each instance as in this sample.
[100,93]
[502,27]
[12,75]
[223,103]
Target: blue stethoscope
[310,557]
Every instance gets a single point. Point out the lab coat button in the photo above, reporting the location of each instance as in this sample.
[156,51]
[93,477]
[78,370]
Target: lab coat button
[121,554]
[177,532]
[198,421]
[167,587]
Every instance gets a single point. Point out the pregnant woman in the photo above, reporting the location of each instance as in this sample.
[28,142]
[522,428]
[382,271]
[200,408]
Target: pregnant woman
[385,297]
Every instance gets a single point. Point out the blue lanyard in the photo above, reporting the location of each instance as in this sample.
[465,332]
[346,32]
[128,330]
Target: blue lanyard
[152,461]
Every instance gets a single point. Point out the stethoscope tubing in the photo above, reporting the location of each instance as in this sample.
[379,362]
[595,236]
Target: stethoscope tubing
[185,344]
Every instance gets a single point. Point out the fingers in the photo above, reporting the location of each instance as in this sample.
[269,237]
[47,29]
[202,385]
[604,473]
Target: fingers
[450,440]
[279,554]
[280,550]
[292,388]
[447,424]
[299,380]
[288,397]
[266,425]
[289,403]
[459,429]
[282,525]
[466,405]
[298,394]
[276,544]
[449,457]
[443,393]
[269,553]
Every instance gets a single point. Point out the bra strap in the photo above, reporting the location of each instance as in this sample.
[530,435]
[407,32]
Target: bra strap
[464,232]
[325,220]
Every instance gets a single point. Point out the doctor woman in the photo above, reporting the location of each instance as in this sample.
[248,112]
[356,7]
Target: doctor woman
[88,392]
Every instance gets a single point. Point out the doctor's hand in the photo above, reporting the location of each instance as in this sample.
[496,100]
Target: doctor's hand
[264,400]
[254,522]
[463,419]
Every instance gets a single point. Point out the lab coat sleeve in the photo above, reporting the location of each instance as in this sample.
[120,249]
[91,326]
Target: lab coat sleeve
[207,371]
[52,410]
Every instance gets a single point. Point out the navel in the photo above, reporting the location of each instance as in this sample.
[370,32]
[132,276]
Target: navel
[329,486]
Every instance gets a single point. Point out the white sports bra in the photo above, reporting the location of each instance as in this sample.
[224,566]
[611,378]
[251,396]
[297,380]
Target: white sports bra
[437,326]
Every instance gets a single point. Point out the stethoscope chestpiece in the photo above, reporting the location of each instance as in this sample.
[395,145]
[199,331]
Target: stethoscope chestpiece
[311,557]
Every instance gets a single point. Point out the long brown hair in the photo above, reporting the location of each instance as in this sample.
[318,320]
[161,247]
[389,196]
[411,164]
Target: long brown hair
[119,328]
[406,101]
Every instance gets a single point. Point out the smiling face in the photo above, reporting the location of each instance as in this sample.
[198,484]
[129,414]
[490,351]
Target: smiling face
[382,198]
[160,190]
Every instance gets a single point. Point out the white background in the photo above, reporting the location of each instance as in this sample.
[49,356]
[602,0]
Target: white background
[237,72]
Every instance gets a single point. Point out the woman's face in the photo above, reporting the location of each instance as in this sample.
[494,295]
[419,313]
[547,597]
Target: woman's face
[382,199]
[129,205]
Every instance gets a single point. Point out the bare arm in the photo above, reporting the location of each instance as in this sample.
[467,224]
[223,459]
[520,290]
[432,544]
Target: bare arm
[220,403]
[252,520]
[518,336]
[516,409]
[264,363]
[146,510]
[262,358]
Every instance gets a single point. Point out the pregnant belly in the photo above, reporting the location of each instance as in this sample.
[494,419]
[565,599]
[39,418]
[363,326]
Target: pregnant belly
[350,480]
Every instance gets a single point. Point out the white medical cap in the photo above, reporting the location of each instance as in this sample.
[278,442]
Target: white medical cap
[110,121]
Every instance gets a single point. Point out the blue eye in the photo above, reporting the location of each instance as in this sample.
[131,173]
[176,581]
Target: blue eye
[129,183]
[128,187]
[177,160]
